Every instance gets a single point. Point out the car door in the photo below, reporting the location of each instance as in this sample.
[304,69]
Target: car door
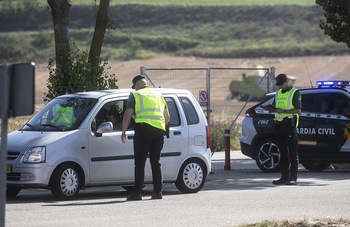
[307,125]
[175,147]
[333,126]
[111,159]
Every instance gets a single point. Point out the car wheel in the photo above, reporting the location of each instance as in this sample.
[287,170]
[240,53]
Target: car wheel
[65,182]
[268,156]
[315,167]
[191,177]
[12,191]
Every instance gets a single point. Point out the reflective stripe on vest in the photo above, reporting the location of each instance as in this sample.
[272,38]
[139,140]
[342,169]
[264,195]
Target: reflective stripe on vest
[285,101]
[144,99]
[62,115]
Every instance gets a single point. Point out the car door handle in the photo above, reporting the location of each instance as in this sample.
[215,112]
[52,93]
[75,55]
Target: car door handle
[130,137]
[177,133]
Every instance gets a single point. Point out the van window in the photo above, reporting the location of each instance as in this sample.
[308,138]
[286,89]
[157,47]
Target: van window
[173,112]
[333,103]
[190,111]
[307,103]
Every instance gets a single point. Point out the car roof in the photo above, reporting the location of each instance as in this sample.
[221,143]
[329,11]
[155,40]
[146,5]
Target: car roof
[346,89]
[119,92]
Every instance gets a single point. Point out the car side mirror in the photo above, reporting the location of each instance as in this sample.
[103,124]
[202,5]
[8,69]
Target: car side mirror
[104,127]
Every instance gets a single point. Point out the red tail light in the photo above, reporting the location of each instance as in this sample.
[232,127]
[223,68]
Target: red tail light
[208,136]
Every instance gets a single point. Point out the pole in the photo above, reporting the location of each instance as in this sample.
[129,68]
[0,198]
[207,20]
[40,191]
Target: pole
[227,150]
[5,89]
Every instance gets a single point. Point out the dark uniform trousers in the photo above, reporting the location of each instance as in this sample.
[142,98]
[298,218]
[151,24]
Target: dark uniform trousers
[148,140]
[287,139]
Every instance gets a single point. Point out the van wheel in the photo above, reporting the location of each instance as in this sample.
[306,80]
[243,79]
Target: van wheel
[65,182]
[315,167]
[268,155]
[12,191]
[191,177]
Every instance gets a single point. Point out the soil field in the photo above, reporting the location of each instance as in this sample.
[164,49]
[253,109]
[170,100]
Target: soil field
[317,67]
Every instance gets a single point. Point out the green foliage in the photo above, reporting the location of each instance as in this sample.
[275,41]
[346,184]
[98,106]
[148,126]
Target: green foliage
[79,75]
[337,20]
[205,2]
[216,134]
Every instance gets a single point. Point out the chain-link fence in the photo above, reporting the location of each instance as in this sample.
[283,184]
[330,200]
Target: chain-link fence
[228,89]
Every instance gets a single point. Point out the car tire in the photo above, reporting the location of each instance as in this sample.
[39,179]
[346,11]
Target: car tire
[268,156]
[65,182]
[191,177]
[315,167]
[12,191]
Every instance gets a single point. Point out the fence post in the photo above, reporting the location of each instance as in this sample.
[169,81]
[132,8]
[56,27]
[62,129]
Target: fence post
[208,95]
[227,150]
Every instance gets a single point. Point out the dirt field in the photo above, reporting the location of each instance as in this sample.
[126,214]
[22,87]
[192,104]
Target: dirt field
[223,109]
[319,67]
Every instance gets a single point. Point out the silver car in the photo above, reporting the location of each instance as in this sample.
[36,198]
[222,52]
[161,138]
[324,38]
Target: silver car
[74,141]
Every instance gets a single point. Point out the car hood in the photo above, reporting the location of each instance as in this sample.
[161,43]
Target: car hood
[23,140]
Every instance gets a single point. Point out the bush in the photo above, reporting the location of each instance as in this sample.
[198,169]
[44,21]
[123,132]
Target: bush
[216,134]
[79,79]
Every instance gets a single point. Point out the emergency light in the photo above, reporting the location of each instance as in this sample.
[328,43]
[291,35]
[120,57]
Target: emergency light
[333,83]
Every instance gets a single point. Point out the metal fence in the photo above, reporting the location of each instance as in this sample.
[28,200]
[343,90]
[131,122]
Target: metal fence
[228,89]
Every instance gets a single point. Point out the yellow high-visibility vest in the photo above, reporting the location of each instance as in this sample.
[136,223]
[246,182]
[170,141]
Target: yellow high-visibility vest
[149,108]
[63,115]
[285,101]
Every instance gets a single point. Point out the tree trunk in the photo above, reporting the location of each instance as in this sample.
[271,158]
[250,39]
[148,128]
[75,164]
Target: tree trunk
[97,40]
[60,16]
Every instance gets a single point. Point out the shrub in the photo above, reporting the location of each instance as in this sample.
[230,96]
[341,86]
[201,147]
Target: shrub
[216,134]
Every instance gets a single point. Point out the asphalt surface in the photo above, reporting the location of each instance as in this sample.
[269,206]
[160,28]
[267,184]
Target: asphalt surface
[241,195]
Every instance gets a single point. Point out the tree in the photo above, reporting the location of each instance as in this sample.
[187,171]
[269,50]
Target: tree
[97,40]
[60,16]
[337,19]
[76,69]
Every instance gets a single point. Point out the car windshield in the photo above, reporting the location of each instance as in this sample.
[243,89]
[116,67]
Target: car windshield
[61,114]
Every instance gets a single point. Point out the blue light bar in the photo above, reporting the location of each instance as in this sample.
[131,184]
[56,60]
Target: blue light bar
[331,83]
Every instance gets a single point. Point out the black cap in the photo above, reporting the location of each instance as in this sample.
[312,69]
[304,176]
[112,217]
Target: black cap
[136,78]
[280,79]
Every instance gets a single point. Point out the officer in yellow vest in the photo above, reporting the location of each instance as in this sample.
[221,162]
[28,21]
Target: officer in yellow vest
[151,116]
[287,107]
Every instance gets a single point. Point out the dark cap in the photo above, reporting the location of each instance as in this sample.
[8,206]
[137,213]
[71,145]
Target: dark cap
[280,79]
[136,78]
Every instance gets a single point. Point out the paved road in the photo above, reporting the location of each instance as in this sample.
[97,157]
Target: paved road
[229,198]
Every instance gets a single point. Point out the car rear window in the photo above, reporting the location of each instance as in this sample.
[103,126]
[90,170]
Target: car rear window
[190,111]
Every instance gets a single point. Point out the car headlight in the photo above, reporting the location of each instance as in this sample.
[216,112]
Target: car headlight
[35,155]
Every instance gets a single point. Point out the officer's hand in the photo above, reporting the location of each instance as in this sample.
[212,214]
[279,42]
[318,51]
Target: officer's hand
[123,137]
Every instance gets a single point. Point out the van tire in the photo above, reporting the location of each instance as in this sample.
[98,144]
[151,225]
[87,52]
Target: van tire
[191,177]
[12,191]
[267,155]
[315,167]
[65,182]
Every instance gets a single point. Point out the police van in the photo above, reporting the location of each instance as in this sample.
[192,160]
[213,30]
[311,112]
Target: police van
[75,141]
[324,129]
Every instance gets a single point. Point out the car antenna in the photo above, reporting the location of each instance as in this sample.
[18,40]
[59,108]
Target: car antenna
[308,72]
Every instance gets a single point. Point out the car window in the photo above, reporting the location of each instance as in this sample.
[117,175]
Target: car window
[173,112]
[61,114]
[111,112]
[307,103]
[333,103]
[190,112]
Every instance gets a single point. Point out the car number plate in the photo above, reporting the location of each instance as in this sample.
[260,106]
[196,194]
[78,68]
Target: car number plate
[8,169]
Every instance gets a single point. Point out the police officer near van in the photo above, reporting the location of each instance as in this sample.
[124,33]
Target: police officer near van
[287,107]
[151,116]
